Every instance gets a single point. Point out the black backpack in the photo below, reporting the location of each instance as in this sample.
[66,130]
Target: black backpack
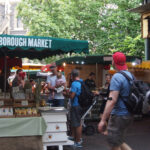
[134,102]
[85,98]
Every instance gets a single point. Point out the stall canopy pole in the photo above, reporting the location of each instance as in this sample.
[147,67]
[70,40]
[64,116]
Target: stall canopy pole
[96,75]
[5,71]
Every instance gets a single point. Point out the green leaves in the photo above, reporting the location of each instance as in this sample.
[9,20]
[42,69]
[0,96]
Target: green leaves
[107,25]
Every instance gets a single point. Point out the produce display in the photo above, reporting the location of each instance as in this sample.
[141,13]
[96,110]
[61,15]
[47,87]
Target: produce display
[26,111]
[19,103]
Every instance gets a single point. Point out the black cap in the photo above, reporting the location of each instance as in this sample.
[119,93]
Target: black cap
[75,73]
[92,73]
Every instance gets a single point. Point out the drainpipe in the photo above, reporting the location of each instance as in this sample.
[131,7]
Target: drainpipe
[147,49]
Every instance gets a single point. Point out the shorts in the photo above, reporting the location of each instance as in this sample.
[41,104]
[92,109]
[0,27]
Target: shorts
[117,127]
[75,116]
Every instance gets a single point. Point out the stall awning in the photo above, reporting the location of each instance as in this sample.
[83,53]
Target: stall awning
[141,9]
[39,47]
[92,59]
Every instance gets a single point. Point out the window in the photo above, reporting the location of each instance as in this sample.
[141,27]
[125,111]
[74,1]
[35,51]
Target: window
[19,23]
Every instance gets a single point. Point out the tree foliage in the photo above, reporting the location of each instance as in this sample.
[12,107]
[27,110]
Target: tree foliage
[106,24]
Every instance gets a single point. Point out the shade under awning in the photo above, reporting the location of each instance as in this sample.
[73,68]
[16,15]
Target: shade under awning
[39,47]
[92,59]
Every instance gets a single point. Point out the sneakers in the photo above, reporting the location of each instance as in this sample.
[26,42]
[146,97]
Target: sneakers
[81,141]
[77,145]
[72,139]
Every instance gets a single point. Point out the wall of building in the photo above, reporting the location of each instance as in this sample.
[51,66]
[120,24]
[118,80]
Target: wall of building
[11,24]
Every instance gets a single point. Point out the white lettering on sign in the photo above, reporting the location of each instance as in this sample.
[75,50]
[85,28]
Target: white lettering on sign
[25,42]
[39,43]
[50,43]
[30,42]
[12,41]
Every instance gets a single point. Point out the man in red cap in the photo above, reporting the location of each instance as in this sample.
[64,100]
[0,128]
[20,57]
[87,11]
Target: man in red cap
[115,109]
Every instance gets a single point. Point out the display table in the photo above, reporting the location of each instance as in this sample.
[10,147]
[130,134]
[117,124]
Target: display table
[56,132]
[26,126]
[21,133]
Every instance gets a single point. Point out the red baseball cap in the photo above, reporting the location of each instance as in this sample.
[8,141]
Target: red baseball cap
[120,60]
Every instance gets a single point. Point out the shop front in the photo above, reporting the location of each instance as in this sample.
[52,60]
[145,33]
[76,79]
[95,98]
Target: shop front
[21,123]
[98,64]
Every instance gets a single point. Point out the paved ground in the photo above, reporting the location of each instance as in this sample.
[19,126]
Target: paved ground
[138,138]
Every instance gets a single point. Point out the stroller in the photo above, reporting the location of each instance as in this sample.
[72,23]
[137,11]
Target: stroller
[88,129]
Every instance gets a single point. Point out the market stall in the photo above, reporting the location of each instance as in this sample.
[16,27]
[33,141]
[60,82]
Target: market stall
[19,109]
[31,69]
[140,71]
[99,64]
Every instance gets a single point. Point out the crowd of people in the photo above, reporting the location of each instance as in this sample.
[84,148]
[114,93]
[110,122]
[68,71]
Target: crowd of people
[114,116]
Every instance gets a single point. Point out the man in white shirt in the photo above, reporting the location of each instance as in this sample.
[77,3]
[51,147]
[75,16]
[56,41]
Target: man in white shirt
[58,99]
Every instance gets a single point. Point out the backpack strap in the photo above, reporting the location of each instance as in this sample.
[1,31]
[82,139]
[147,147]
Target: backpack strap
[126,76]
[129,80]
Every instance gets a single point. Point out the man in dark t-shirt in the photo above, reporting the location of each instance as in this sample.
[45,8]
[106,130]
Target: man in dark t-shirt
[90,83]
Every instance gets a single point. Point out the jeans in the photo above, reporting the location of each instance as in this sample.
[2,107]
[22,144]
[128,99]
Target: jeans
[58,103]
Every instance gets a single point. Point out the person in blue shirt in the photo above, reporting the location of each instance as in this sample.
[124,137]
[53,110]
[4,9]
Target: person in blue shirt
[76,110]
[115,109]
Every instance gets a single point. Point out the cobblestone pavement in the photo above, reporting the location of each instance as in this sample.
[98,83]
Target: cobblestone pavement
[138,138]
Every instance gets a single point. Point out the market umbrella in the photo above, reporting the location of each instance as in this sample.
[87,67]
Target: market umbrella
[38,47]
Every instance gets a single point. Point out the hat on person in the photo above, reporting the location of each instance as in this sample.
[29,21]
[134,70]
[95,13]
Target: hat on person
[53,65]
[120,60]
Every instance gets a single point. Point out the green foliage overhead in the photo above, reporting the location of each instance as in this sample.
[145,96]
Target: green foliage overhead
[106,24]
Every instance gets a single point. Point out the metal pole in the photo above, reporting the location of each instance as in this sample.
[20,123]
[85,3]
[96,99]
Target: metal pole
[5,72]
[96,75]
[147,49]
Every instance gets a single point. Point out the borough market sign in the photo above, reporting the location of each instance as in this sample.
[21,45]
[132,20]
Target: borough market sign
[39,47]
[25,42]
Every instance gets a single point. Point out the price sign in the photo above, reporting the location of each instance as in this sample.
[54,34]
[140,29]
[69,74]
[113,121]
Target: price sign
[24,103]
[16,89]
[2,96]
[7,95]
[1,103]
